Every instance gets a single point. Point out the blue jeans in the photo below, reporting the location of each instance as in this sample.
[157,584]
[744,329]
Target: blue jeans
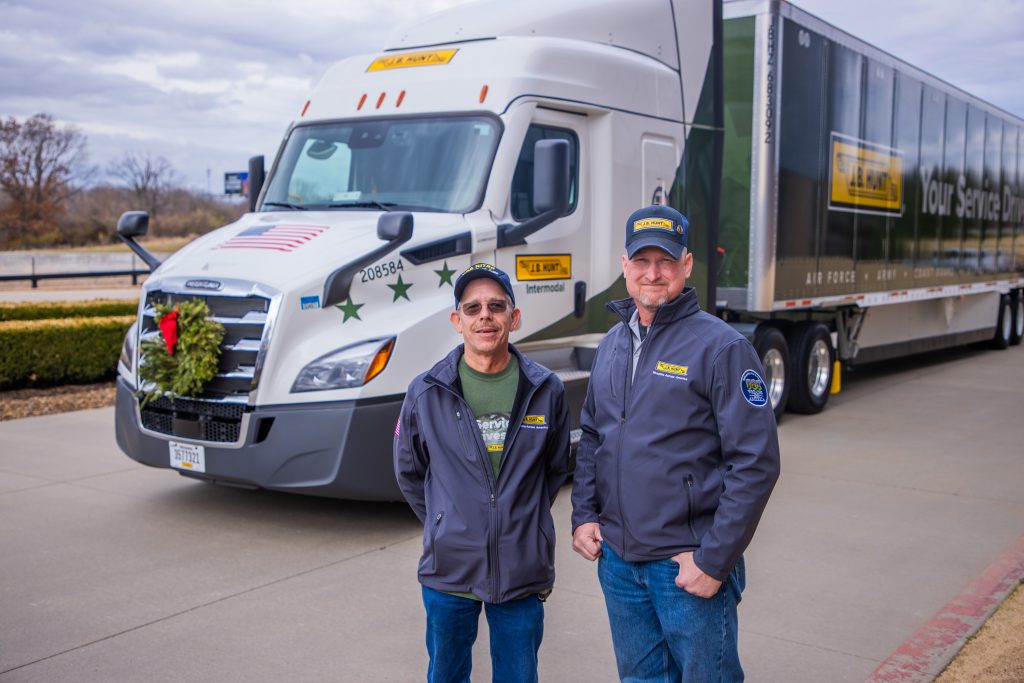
[662,633]
[516,631]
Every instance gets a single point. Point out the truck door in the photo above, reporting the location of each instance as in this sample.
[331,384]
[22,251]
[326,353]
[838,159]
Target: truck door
[555,261]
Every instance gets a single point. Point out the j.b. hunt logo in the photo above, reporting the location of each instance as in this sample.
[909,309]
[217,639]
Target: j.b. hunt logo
[648,223]
[945,199]
[671,370]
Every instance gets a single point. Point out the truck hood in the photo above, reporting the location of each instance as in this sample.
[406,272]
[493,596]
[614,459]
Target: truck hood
[281,249]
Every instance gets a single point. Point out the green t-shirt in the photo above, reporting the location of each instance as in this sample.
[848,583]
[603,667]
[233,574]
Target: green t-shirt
[491,397]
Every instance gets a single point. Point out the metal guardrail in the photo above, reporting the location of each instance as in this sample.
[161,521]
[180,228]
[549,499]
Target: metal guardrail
[36,277]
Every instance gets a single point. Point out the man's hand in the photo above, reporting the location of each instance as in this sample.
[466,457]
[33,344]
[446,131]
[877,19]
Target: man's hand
[690,578]
[586,540]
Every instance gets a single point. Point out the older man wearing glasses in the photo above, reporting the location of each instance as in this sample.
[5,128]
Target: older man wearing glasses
[481,449]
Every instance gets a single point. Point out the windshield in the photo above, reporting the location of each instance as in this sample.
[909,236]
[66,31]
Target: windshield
[423,164]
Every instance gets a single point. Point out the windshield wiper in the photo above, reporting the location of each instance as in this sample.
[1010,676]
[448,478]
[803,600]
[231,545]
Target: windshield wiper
[370,204]
[287,205]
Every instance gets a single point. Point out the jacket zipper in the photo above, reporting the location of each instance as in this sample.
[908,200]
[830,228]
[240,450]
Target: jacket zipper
[433,537]
[689,510]
[627,394]
[488,470]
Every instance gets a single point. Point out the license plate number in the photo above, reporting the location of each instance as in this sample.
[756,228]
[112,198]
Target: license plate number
[186,456]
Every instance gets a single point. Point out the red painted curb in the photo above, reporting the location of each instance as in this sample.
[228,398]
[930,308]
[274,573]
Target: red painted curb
[926,653]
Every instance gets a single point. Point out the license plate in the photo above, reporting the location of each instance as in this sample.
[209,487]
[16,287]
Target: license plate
[185,456]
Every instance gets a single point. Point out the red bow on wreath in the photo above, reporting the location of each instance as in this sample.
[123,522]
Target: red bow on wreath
[169,329]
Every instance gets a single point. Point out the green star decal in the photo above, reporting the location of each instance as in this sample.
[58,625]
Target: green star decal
[445,274]
[400,288]
[350,310]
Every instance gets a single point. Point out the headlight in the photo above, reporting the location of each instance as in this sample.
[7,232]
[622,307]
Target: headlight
[128,348]
[349,366]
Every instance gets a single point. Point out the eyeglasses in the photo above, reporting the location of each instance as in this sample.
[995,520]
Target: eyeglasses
[472,309]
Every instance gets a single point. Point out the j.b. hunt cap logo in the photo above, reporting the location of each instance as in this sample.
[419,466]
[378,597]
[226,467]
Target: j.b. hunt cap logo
[754,389]
[662,223]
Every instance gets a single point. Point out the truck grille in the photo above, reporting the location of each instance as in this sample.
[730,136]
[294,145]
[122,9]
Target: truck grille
[216,416]
[188,419]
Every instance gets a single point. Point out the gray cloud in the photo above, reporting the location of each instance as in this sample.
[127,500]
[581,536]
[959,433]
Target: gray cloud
[209,84]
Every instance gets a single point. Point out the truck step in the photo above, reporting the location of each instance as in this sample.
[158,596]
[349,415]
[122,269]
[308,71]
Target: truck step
[572,375]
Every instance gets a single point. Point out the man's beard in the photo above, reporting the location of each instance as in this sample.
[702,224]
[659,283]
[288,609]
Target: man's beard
[649,302]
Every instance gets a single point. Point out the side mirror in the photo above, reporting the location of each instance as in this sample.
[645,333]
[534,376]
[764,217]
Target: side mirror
[133,224]
[256,177]
[393,226]
[550,191]
[551,176]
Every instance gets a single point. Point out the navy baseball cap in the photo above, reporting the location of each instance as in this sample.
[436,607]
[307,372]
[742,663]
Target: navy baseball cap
[657,226]
[480,270]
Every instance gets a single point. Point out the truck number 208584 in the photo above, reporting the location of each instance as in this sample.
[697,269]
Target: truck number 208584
[380,270]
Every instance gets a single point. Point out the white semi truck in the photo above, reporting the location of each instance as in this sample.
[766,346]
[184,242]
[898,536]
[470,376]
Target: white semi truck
[844,206]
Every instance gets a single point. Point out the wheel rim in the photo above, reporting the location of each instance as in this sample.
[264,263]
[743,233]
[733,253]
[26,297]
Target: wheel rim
[819,369]
[774,375]
[1020,319]
[1007,322]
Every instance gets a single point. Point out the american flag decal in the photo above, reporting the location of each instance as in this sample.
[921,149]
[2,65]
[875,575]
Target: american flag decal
[282,237]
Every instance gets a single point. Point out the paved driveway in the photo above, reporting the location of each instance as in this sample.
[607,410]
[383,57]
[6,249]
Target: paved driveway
[890,504]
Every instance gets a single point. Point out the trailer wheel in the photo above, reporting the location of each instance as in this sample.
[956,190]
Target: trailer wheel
[811,359]
[773,351]
[1004,326]
[1017,328]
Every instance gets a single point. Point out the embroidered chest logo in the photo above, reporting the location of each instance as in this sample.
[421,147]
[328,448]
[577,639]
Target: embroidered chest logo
[535,422]
[671,370]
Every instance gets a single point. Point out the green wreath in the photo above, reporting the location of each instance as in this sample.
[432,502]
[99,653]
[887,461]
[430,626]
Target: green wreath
[185,356]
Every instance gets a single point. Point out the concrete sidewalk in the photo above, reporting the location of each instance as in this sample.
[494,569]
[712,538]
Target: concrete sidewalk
[890,504]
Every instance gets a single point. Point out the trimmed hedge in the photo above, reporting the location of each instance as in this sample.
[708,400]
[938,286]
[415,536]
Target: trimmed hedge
[47,310]
[36,353]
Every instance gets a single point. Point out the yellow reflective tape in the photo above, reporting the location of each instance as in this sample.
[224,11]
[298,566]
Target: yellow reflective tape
[544,267]
[409,59]
[865,177]
[645,223]
[534,420]
[672,369]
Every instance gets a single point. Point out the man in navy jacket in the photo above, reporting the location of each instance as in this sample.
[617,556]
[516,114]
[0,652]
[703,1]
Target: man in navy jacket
[481,449]
[678,456]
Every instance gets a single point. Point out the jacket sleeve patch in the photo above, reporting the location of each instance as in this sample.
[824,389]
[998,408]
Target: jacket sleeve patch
[753,388]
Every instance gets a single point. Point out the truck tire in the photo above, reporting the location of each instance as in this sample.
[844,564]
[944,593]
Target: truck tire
[1004,324]
[771,347]
[1017,328]
[812,358]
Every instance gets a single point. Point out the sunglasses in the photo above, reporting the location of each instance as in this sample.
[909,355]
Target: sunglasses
[473,308]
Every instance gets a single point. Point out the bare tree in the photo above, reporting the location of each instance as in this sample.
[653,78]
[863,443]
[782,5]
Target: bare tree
[39,162]
[151,179]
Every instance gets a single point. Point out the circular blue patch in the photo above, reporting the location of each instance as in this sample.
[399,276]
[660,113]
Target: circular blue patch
[754,389]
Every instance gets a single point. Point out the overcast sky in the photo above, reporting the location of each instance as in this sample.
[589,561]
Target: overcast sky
[210,84]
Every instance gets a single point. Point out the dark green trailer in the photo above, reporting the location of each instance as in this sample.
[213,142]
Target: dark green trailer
[868,209]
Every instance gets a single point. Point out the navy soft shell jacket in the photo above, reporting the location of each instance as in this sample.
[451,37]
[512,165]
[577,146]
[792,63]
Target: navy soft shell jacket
[494,538]
[684,456]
